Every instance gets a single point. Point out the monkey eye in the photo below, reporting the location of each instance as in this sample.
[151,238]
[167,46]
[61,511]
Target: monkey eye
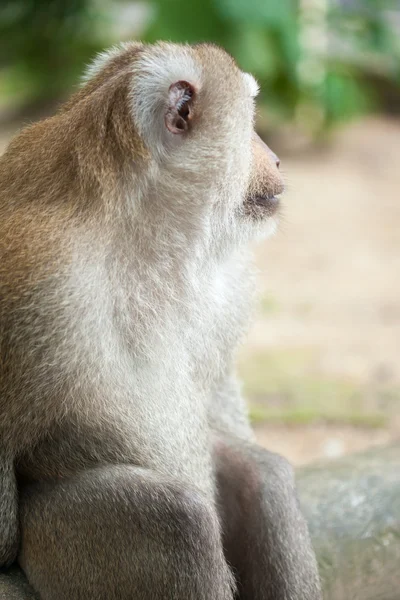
[179,111]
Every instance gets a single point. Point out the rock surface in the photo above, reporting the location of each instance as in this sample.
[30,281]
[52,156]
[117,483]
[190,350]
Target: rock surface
[353,509]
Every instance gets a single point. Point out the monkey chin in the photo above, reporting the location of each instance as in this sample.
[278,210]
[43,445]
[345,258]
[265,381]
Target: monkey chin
[265,229]
[261,214]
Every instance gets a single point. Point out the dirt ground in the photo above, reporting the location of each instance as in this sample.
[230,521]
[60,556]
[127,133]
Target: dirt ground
[321,365]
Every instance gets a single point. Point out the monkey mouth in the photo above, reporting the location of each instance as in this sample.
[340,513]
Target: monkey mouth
[261,206]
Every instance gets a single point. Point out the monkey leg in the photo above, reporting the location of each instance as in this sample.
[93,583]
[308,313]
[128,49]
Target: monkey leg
[119,533]
[265,535]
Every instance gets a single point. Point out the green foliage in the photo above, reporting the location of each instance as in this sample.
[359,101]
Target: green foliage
[43,44]
[367,24]
[179,21]
[268,14]
[344,96]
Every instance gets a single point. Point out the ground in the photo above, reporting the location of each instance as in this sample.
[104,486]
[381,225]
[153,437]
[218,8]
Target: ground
[321,364]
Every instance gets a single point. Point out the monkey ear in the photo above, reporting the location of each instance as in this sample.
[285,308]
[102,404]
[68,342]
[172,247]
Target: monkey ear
[179,113]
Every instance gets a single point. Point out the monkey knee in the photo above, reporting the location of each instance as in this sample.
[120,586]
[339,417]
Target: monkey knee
[280,468]
[198,544]
[252,471]
[277,483]
[255,474]
[182,512]
[191,531]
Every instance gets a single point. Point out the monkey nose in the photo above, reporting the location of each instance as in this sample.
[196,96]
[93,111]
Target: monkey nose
[275,158]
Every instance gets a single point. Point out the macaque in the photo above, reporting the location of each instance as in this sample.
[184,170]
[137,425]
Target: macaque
[128,467]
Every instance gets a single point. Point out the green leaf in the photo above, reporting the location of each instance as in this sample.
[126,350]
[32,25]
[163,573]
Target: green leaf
[262,12]
[256,50]
[171,22]
[344,97]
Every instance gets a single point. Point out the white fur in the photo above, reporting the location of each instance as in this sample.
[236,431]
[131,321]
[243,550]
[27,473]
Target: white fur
[251,84]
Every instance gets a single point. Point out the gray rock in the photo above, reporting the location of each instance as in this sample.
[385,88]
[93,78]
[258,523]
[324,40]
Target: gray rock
[353,509]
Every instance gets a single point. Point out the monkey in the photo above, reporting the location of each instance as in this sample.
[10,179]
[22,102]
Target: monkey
[129,469]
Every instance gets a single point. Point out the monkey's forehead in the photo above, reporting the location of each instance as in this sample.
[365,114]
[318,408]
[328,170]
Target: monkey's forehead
[213,57]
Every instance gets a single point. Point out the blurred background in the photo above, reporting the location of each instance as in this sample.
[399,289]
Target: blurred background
[321,366]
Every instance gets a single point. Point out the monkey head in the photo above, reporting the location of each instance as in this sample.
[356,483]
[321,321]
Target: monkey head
[189,138]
